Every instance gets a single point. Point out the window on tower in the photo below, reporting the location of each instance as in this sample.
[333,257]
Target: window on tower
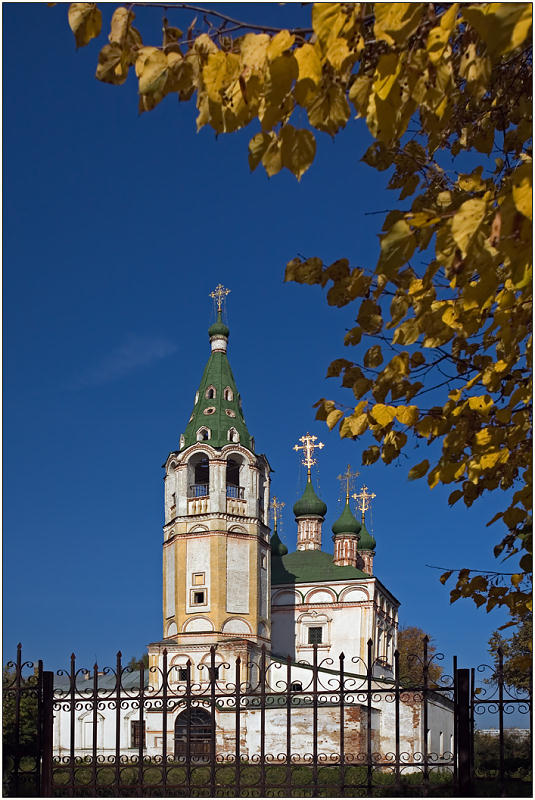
[315,635]
[210,393]
[198,598]
[227,394]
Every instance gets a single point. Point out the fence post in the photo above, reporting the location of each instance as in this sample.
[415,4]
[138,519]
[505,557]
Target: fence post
[47,729]
[463,732]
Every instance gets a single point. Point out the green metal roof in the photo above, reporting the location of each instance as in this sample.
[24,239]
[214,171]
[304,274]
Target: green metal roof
[278,548]
[218,374]
[308,566]
[346,523]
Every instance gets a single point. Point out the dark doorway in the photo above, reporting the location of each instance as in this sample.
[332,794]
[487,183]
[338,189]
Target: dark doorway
[200,731]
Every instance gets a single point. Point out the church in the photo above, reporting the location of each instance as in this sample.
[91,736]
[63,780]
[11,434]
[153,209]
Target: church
[232,590]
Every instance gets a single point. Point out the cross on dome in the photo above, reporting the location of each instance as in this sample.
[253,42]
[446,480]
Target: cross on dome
[364,499]
[308,448]
[348,476]
[219,295]
[276,506]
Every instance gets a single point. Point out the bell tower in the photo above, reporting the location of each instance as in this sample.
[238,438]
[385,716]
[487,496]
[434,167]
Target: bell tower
[216,536]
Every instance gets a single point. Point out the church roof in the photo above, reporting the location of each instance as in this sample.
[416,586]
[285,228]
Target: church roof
[346,523]
[217,413]
[308,566]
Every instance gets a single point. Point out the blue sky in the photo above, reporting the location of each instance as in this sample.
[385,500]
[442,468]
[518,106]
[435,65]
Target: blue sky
[116,228]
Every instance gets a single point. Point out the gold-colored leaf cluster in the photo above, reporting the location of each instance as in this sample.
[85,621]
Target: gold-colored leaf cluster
[448,307]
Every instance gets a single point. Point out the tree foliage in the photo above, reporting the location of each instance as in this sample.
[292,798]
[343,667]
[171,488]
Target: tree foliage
[517,754]
[517,654]
[411,658]
[444,319]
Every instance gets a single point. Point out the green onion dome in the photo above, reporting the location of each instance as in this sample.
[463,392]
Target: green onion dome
[366,541]
[309,505]
[218,328]
[277,547]
[346,523]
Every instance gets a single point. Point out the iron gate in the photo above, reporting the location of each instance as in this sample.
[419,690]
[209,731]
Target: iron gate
[193,761]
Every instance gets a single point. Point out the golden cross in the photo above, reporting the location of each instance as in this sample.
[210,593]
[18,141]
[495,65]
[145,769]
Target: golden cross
[219,294]
[308,448]
[275,507]
[365,497]
[347,476]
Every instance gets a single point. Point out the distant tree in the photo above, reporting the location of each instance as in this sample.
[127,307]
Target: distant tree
[24,741]
[134,662]
[517,654]
[411,654]
[517,754]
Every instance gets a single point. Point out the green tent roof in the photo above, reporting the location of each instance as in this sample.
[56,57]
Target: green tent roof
[222,414]
[308,566]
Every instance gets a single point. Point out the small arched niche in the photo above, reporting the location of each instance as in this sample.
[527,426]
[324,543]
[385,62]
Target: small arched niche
[233,435]
[204,434]
[210,393]
[228,394]
[198,475]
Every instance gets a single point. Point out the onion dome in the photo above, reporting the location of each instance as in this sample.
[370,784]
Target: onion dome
[278,548]
[309,505]
[346,524]
[366,540]
[218,328]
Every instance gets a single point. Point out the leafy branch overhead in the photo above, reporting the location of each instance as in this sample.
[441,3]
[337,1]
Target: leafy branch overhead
[444,320]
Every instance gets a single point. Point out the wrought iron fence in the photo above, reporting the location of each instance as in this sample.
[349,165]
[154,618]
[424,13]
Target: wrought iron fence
[260,727]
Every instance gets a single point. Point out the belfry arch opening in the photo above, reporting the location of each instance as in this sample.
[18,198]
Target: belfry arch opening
[198,475]
[234,478]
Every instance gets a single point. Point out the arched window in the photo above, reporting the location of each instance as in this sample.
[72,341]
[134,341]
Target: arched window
[228,393]
[233,478]
[198,723]
[233,435]
[198,475]
[203,434]
[210,393]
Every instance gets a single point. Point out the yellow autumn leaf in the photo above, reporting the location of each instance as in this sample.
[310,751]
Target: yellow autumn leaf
[395,22]
[373,356]
[85,21]
[355,425]
[333,417]
[419,470]
[483,404]
[219,72]
[483,437]
[467,220]
[112,66]
[439,36]
[522,189]
[253,50]
[407,415]
[298,149]
[339,55]
[278,45]
[489,460]
[309,63]
[397,247]
[502,26]
[382,414]
[328,19]
[152,70]
[120,23]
